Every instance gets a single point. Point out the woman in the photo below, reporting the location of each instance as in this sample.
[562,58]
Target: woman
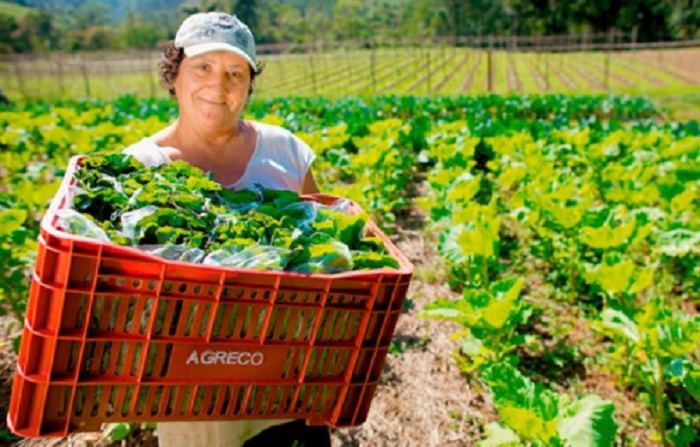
[210,69]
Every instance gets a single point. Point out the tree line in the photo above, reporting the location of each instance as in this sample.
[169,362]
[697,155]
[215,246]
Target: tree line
[72,25]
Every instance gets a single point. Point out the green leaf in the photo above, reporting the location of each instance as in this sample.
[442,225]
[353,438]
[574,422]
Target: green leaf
[614,278]
[370,260]
[449,246]
[11,221]
[683,435]
[674,337]
[644,280]
[499,436]
[503,305]
[350,228]
[509,386]
[117,431]
[327,227]
[528,424]
[588,422]
[202,184]
[567,217]
[479,234]
[497,313]
[507,289]
[113,164]
[689,375]
[607,237]
[44,193]
[620,324]
[476,242]
[372,244]
[464,188]
[691,382]
[472,346]
[280,198]
[16,343]
[453,310]
[245,196]
[683,201]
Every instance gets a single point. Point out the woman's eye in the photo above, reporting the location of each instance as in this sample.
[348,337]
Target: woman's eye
[234,74]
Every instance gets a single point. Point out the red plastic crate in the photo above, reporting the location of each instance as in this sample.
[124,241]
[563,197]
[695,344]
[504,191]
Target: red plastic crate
[113,334]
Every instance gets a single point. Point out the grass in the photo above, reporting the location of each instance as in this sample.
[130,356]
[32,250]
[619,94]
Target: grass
[75,86]
[453,86]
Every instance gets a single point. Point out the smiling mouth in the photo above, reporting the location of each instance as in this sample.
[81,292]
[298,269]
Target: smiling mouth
[218,103]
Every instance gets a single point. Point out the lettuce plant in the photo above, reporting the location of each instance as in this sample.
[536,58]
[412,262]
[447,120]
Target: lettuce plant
[660,344]
[531,413]
[489,318]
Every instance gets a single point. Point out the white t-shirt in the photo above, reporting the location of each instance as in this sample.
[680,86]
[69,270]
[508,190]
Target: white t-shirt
[281,160]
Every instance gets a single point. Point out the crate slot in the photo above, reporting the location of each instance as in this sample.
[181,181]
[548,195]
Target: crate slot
[299,297]
[293,356]
[233,293]
[120,315]
[124,401]
[348,300]
[108,283]
[328,362]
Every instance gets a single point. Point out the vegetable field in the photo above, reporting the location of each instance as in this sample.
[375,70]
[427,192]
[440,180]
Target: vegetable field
[433,70]
[556,241]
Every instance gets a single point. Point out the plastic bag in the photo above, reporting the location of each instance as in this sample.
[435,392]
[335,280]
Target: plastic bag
[330,257]
[225,218]
[241,201]
[243,208]
[217,257]
[131,219]
[175,252]
[342,206]
[303,213]
[71,193]
[114,183]
[258,257]
[75,223]
[284,237]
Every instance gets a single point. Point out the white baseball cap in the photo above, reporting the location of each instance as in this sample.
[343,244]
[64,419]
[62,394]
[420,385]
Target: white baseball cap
[216,31]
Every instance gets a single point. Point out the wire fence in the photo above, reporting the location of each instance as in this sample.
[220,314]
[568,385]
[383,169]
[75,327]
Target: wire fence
[370,65]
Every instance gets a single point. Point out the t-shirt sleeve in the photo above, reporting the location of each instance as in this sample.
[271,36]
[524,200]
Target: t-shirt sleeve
[306,157]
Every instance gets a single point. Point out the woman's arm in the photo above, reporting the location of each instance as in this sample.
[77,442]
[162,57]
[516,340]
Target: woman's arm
[310,186]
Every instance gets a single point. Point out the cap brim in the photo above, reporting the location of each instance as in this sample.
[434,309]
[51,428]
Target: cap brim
[201,48]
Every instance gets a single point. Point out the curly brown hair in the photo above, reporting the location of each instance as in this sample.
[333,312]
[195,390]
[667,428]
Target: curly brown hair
[169,67]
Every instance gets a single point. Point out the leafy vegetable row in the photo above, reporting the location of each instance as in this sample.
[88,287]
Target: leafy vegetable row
[609,224]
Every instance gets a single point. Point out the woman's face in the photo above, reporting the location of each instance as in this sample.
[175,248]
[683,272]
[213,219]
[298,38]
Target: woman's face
[212,88]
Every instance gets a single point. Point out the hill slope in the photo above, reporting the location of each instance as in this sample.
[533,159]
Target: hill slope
[14,9]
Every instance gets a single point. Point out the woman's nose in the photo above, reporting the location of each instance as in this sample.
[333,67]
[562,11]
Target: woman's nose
[219,80]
